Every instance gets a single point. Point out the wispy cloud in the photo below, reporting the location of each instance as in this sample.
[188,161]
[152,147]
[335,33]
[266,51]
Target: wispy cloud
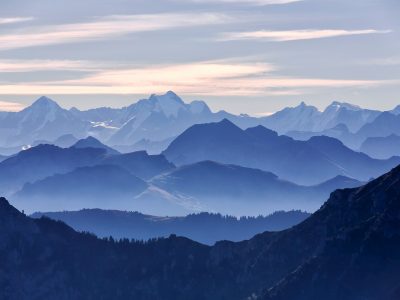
[383,62]
[24,65]
[15,20]
[10,106]
[291,35]
[206,78]
[105,28]
[251,2]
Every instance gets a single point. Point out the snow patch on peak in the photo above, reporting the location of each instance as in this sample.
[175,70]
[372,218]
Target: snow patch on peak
[170,103]
[197,107]
[346,105]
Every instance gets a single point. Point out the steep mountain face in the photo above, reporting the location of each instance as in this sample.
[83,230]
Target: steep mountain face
[384,125]
[161,117]
[157,118]
[224,142]
[382,147]
[101,114]
[353,116]
[291,118]
[357,164]
[39,162]
[308,118]
[360,260]
[97,186]
[204,227]
[139,163]
[94,143]
[349,249]
[43,120]
[236,190]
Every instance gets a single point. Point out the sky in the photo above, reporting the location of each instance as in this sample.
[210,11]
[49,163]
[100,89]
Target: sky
[242,56]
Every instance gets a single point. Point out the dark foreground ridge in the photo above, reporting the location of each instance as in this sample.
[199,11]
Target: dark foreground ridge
[349,249]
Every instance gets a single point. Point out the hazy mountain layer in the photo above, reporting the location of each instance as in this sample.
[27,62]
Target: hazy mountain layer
[305,163]
[42,161]
[204,186]
[102,186]
[94,143]
[139,163]
[382,147]
[151,147]
[161,117]
[205,228]
[236,190]
[349,249]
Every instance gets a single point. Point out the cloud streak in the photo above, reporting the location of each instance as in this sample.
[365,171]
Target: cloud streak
[292,35]
[21,65]
[207,78]
[105,28]
[10,106]
[251,2]
[15,20]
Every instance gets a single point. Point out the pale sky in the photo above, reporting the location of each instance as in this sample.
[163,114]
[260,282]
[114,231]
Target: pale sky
[243,56]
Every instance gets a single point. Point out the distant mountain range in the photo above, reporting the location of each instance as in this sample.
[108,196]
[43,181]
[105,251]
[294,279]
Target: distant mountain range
[319,159]
[43,120]
[47,177]
[143,125]
[204,227]
[204,186]
[382,147]
[348,249]
[385,124]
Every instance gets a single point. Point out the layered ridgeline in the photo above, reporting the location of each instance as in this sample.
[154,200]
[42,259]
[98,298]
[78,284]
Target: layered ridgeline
[349,249]
[150,123]
[206,228]
[382,126]
[304,162]
[116,182]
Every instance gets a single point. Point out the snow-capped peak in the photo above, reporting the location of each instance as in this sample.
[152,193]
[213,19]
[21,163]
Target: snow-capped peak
[44,101]
[198,107]
[42,108]
[170,103]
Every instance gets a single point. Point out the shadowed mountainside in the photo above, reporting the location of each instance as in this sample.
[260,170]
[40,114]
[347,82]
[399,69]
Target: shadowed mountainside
[204,186]
[349,249]
[302,162]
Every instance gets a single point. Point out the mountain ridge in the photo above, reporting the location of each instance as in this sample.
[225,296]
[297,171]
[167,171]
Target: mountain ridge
[352,243]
